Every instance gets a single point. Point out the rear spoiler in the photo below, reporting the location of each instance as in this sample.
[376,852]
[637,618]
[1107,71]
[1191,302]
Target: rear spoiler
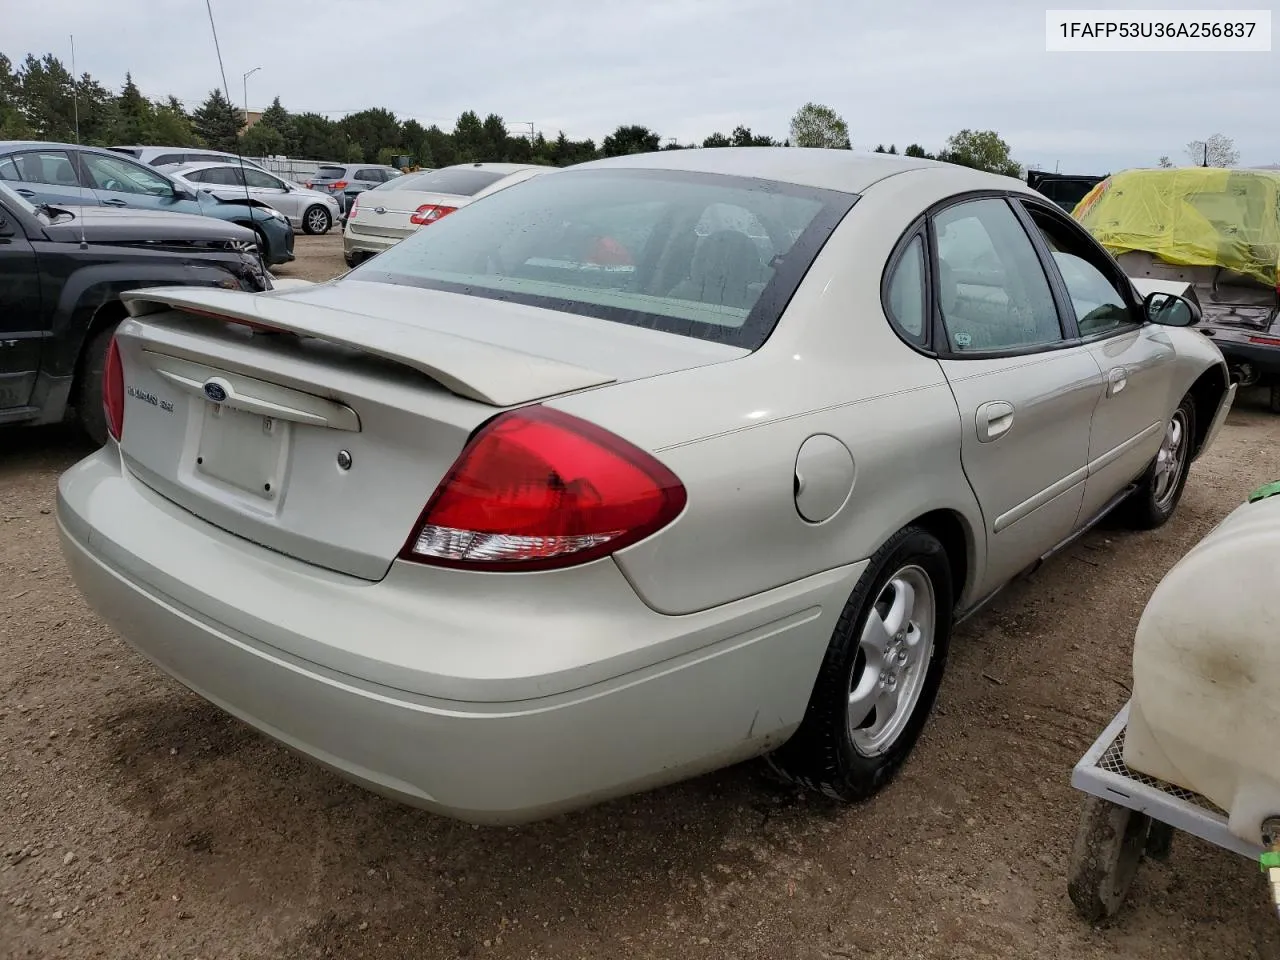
[493,375]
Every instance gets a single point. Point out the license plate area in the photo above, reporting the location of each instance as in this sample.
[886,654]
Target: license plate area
[242,450]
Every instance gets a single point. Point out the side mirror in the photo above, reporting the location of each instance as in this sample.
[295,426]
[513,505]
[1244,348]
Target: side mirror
[182,193]
[6,228]
[1171,310]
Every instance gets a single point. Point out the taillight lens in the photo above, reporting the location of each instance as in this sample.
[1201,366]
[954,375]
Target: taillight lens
[355,205]
[113,391]
[338,185]
[430,213]
[536,489]
[1266,341]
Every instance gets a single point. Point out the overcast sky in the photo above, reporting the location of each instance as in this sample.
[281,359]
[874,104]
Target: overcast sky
[898,72]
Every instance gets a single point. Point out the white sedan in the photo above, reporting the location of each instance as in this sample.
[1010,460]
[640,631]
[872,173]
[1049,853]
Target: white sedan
[639,469]
[383,216]
[311,210]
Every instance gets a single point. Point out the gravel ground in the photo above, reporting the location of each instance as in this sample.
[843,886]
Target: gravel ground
[137,821]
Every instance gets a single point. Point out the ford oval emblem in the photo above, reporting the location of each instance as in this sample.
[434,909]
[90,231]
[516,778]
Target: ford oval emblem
[215,392]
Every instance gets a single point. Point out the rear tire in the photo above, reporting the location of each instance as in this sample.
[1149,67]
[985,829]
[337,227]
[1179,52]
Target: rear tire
[1160,487]
[89,409]
[351,259]
[1275,397]
[316,220]
[841,750]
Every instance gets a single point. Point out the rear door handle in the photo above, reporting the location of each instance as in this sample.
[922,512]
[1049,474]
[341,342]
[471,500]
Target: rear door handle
[113,202]
[1117,379]
[994,418]
[25,192]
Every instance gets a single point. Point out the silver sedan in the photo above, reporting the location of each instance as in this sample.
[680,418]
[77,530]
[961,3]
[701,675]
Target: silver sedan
[635,470]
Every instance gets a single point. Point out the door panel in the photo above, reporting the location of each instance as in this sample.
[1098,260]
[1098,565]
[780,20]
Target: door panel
[1030,477]
[45,176]
[118,182]
[1135,360]
[21,325]
[1026,398]
[1137,368]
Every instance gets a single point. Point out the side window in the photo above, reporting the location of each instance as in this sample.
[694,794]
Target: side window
[195,176]
[1099,304]
[907,291]
[223,176]
[47,166]
[993,292]
[167,158]
[122,176]
[8,169]
[371,176]
[256,178]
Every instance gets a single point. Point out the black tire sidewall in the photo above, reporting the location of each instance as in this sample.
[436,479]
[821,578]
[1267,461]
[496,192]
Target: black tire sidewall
[89,407]
[821,753]
[306,227]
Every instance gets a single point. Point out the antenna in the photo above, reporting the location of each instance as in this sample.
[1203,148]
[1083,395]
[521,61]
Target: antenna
[227,90]
[75,104]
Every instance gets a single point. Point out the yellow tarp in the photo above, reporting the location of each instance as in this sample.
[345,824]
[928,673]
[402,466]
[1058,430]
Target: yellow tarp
[1191,216]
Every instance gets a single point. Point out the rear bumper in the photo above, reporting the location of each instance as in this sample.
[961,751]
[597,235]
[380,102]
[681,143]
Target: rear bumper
[459,702]
[363,243]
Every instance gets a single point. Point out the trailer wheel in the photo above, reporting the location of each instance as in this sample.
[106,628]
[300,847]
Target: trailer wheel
[1105,858]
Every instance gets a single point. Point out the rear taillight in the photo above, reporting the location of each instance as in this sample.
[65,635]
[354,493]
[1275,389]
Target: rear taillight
[430,213]
[113,391]
[338,185]
[1266,341]
[355,205]
[536,489]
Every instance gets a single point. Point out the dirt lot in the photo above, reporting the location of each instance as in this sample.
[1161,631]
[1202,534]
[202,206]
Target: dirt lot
[137,821]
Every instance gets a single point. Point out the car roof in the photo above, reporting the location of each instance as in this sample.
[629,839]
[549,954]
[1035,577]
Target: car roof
[844,170]
[503,168]
[54,145]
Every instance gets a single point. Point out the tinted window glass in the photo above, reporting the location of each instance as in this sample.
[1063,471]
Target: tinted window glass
[907,291]
[167,158]
[256,178]
[1099,305]
[195,176]
[461,182]
[625,246]
[8,169]
[330,173]
[47,166]
[993,292]
[123,176]
[370,175]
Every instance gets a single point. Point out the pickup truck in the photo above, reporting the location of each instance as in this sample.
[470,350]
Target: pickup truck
[62,271]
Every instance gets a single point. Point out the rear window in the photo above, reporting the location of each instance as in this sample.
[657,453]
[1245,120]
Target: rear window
[167,158]
[330,173]
[701,255]
[460,183]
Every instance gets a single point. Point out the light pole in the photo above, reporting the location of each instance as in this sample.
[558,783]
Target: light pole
[245,79]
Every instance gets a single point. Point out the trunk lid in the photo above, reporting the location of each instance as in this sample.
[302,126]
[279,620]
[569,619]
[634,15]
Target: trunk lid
[325,441]
[1225,298]
[386,213]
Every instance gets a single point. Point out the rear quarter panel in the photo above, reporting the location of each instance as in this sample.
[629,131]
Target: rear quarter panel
[732,431]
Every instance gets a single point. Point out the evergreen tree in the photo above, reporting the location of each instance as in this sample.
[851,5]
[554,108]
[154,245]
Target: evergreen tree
[217,122]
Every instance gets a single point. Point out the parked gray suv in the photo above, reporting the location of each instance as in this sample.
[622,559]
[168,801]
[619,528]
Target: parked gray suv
[345,180]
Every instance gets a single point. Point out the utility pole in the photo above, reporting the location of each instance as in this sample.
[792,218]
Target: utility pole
[245,79]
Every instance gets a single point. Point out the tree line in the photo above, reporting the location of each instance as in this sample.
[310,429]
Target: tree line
[39,99]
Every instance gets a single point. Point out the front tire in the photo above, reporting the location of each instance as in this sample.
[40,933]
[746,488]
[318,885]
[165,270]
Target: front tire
[316,220]
[881,674]
[89,408]
[1160,487]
